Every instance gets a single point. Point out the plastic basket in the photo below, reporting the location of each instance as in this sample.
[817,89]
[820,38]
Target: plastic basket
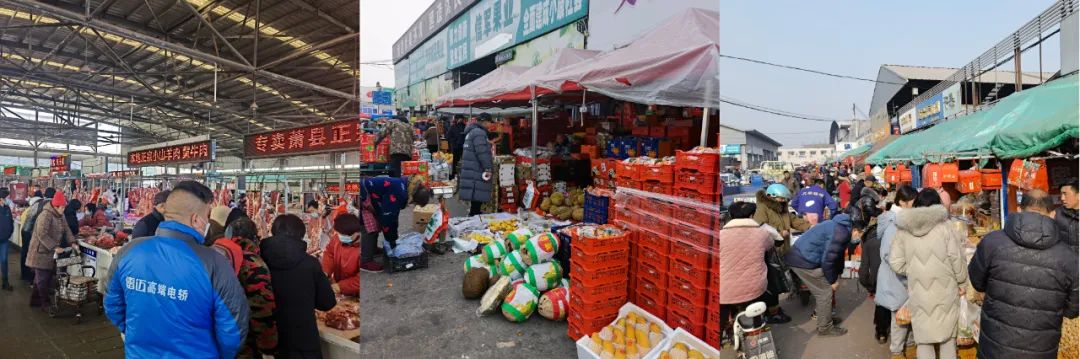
[713,198]
[655,241]
[694,311]
[589,324]
[606,275]
[657,207]
[602,307]
[701,162]
[650,256]
[708,220]
[663,173]
[652,273]
[627,183]
[657,187]
[656,307]
[595,202]
[625,170]
[598,292]
[712,337]
[697,181]
[598,245]
[597,260]
[573,331]
[677,320]
[696,275]
[597,216]
[686,289]
[689,253]
[654,290]
[700,237]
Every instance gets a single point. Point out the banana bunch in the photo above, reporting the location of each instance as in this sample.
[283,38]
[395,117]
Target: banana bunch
[480,238]
[504,226]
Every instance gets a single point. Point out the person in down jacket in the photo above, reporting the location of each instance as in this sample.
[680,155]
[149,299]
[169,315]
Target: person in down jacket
[170,295]
[1030,279]
[892,288]
[744,244]
[814,200]
[474,181]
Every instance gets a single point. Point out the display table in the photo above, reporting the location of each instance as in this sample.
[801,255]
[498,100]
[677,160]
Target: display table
[339,344]
[99,258]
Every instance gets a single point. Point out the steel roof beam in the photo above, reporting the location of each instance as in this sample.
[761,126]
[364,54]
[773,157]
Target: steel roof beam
[66,15]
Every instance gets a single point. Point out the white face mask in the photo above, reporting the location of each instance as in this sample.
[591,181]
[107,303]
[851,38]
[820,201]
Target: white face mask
[206,229]
[80,215]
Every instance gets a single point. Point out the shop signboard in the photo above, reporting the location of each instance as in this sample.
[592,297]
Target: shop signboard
[434,18]
[350,187]
[729,150]
[11,170]
[929,111]
[458,42]
[879,125]
[951,101]
[401,74]
[191,152]
[428,60]
[614,23]
[907,121]
[125,173]
[538,50]
[60,164]
[324,137]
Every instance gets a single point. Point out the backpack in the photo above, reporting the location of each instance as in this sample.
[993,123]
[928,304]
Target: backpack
[31,220]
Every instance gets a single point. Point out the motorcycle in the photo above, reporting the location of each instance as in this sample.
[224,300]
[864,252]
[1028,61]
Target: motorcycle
[751,337]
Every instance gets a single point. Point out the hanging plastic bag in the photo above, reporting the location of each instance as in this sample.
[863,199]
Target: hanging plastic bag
[531,196]
[903,315]
[967,327]
[439,221]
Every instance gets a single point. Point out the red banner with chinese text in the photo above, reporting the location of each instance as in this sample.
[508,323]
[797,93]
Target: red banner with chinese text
[186,153]
[350,187]
[324,137]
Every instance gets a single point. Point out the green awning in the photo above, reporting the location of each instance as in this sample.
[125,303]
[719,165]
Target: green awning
[854,152]
[1020,125]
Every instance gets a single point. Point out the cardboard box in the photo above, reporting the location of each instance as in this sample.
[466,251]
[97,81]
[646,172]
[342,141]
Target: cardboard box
[422,215]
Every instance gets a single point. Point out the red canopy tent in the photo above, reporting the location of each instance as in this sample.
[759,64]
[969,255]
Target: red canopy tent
[481,89]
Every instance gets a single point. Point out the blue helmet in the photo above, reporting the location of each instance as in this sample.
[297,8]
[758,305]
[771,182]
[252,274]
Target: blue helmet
[778,190]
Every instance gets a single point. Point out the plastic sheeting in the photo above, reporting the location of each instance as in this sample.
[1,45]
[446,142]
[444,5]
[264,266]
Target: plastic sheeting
[519,88]
[1021,125]
[674,64]
[482,88]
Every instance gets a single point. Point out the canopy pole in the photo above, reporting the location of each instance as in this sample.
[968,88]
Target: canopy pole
[705,127]
[532,90]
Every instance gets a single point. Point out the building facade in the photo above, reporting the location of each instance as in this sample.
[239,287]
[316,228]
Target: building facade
[809,154]
[746,149]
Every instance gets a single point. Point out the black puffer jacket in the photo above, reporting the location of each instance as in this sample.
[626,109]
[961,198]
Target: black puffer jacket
[475,160]
[1030,279]
[300,287]
[1067,221]
[871,259]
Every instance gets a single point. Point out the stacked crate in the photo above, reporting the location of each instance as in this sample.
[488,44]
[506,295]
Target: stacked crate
[507,193]
[657,178]
[697,176]
[627,175]
[653,250]
[598,275]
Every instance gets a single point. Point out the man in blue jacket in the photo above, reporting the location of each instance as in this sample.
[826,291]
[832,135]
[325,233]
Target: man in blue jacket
[172,296]
[814,199]
[818,259]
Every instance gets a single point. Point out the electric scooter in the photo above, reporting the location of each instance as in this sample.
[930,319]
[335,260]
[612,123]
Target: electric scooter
[751,337]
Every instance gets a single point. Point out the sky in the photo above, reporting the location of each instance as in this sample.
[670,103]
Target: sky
[381,23]
[851,38]
[848,37]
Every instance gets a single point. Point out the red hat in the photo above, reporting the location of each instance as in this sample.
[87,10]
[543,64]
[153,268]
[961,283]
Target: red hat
[58,199]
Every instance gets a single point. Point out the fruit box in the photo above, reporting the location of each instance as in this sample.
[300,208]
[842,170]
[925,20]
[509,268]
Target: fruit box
[682,336]
[583,351]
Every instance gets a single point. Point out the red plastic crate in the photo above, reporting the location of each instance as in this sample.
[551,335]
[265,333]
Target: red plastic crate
[712,337]
[655,306]
[689,253]
[655,241]
[654,290]
[627,183]
[573,332]
[657,131]
[706,220]
[657,187]
[677,320]
[651,272]
[701,162]
[673,131]
[663,173]
[640,131]
[693,235]
[598,292]
[600,259]
[714,282]
[626,170]
[597,245]
[589,324]
[655,206]
[606,275]
[712,317]
[651,256]
[694,311]
[697,181]
[707,198]
[696,275]
[686,289]
[603,306]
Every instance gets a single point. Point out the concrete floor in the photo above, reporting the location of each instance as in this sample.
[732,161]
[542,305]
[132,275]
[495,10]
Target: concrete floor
[29,333]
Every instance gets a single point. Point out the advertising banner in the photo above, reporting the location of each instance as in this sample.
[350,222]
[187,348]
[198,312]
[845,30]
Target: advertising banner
[459,42]
[928,112]
[537,50]
[879,125]
[614,23]
[324,137]
[428,60]
[433,19]
[951,101]
[907,121]
[202,151]
[731,149]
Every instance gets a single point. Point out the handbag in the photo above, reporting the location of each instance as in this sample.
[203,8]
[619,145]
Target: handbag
[777,273]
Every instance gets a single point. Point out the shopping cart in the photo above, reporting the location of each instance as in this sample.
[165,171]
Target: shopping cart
[73,291]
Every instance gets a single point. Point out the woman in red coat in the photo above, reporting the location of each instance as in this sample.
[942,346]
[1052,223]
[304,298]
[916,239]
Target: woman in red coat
[844,190]
[341,259]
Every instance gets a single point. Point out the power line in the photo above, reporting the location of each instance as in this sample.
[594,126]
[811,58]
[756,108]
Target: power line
[738,103]
[796,68]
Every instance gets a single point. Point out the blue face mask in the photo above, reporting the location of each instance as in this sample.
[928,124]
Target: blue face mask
[346,239]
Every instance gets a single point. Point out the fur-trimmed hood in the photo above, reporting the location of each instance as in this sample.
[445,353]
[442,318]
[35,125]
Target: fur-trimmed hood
[771,204]
[920,221]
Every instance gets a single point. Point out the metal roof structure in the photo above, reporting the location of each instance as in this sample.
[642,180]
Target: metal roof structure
[943,73]
[170,69]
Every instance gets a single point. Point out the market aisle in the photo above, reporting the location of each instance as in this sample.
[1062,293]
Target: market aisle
[421,314]
[29,333]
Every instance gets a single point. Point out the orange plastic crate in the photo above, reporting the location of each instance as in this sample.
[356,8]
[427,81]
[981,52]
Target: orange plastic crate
[677,320]
[697,181]
[688,290]
[655,241]
[590,323]
[657,187]
[651,272]
[707,198]
[626,170]
[655,206]
[603,306]
[707,220]
[654,290]
[712,337]
[991,178]
[695,311]
[696,275]
[627,183]
[655,306]
[663,173]
[591,260]
[697,236]
[689,253]
[701,162]
[598,292]
[651,256]
[574,333]
[606,275]
[599,245]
